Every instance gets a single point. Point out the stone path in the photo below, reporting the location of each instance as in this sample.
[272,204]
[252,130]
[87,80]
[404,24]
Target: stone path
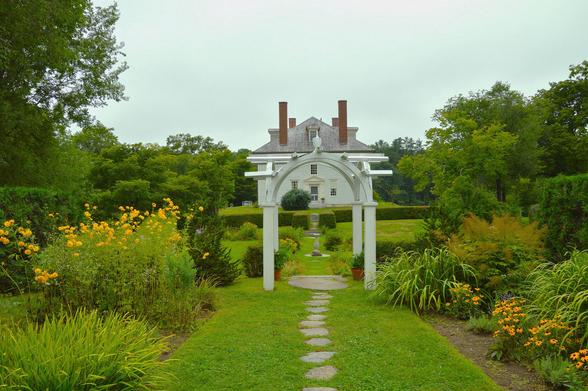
[315,325]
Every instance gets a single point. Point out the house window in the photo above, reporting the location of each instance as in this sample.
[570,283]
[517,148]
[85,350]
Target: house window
[294,185]
[312,133]
[333,191]
[313,169]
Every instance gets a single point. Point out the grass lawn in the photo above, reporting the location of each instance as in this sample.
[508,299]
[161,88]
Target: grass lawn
[253,343]
[393,230]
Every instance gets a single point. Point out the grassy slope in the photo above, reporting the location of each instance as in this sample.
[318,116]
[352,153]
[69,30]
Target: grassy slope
[252,343]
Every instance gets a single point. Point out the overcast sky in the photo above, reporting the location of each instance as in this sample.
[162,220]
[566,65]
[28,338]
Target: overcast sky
[218,68]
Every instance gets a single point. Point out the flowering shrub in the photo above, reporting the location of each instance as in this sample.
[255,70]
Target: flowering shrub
[580,359]
[290,244]
[17,249]
[465,301]
[135,264]
[510,335]
[549,336]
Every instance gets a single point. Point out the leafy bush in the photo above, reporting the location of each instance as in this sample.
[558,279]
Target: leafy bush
[82,352]
[401,212]
[496,249]
[556,371]
[339,263]
[136,265]
[253,261]
[422,280]
[247,231]
[40,209]
[212,260]
[281,257]
[300,220]
[289,244]
[292,233]
[564,209]
[292,267]
[332,240]
[481,325]
[327,219]
[237,220]
[465,301]
[385,249]
[18,248]
[295,199]
[561,291]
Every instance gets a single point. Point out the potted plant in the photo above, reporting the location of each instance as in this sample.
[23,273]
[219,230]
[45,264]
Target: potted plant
[357,265]
[280,258]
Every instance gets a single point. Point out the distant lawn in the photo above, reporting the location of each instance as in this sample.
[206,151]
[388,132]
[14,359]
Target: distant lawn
[253,343]
[393,230]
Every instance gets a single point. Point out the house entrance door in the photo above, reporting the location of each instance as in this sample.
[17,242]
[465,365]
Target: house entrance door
[314,192]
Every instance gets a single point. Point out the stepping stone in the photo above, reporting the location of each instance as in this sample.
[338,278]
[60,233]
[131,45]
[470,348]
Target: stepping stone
[316,303]
[311,323]
[315,332]
[316,317]
[318,342]
[322,373]
[319,389]
[318,283]
[317,310]
[321,296]
[317,357]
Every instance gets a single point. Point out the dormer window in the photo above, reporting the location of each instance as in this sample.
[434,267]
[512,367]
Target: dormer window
[312,133]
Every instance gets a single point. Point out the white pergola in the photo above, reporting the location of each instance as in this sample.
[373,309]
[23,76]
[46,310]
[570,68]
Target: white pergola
[354,168]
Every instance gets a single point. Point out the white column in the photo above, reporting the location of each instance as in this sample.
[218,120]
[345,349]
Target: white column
[357,227]
[370,245]
[268,246]
[276,225]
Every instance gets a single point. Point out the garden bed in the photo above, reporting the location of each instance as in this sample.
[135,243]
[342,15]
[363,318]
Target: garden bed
[510,375]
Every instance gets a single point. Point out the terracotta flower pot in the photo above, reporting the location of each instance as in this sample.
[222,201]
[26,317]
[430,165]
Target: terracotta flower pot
[277,275]
[357,273]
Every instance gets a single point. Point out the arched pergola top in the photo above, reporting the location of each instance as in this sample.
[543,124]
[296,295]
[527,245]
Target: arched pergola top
[356,171]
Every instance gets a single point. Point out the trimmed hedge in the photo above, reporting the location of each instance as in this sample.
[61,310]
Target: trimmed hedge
[33,204]
[340,215]
[564,209]
[253,260]
[327,219]
[300,220]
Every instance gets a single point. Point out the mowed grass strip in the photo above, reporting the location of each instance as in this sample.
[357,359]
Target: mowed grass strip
[253,343]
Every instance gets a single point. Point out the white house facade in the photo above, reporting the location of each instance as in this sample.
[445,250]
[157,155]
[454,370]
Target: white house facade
[325,184]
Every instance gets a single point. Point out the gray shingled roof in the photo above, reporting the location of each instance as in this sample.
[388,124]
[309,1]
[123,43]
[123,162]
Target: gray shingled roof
[298,140]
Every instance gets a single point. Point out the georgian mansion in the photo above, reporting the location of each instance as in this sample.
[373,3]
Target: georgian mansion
[326,186]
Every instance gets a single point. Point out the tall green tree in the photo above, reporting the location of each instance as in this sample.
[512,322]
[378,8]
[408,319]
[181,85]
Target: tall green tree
[564,113]
[58,58]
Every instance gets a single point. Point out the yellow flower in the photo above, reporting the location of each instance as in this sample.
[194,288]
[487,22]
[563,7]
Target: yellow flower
[53,275]
[579,364]
[76,254]
[153,204]
[575,356]
[4,240]
[21,244]
[86,205]
[28,252]
[205,255]
[201,209]
[553,341]
[37,270]
[8,223]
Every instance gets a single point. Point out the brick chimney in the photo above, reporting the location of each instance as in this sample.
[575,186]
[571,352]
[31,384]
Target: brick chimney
[283,123]
[335,121]
[292,123]
[343,122]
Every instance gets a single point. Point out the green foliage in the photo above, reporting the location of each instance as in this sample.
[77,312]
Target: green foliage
[564,209]
[45,209]
[281,256]
[421,281]
[294,234]
[136,265]
[295,199]
[343,215]
[466,302]
[564,113]
[237,220]
[339,263]
[300,220]
[94,138]
[401,212]
[497,249]
[327,220]
[247,231]
[385,249]
[292,267]
[561,292]
[58,60]
[481,324]
[18,250]
[332,240]
[82,352]
[557,372]
[358,261]
[253,261]
[212,260]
